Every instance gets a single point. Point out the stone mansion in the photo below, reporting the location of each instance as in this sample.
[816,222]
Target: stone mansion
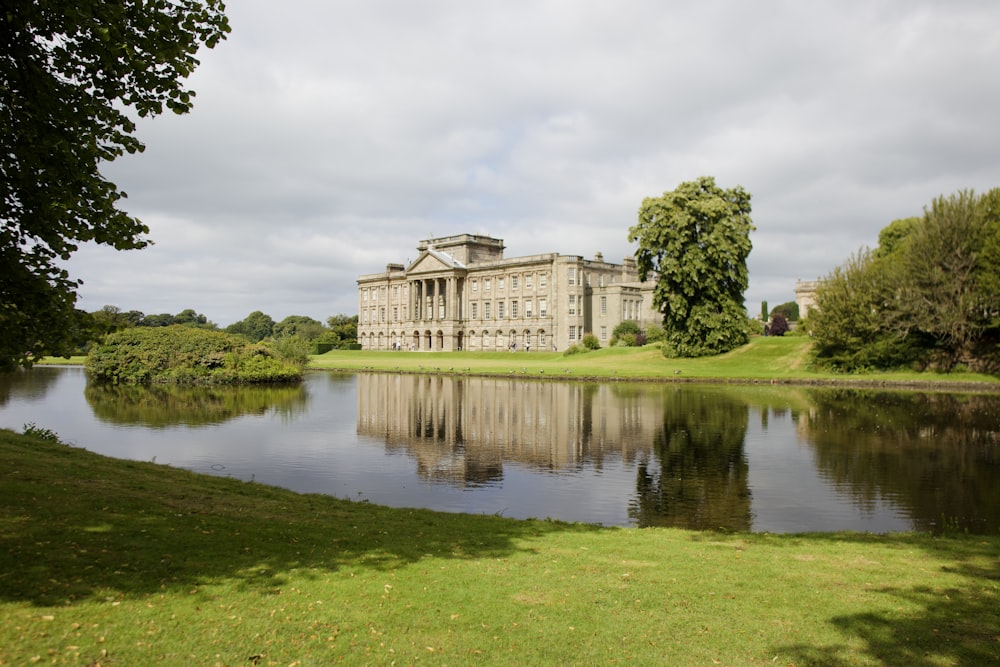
[462,294]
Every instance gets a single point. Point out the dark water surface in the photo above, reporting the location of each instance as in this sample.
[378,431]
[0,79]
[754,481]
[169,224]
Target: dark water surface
[696,456]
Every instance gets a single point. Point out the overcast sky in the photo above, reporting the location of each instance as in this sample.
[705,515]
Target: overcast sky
[329,137]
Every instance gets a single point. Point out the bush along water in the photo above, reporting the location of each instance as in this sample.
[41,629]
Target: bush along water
[188,355]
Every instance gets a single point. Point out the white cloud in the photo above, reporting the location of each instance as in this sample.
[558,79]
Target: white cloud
[328,138]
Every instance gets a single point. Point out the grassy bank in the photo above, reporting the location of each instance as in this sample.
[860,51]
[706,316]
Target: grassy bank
[123,563]
[781,359]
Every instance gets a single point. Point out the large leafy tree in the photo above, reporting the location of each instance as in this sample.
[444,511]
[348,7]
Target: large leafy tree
[74,74]
[927,295]
[696,240]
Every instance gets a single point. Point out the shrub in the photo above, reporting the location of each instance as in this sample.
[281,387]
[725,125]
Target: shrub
[574,349]
[778,326]
[188,355]
[590,342]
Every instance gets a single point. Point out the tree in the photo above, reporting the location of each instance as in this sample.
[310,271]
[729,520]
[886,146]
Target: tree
[256,326]
[927,297]
[73,75]
[344,327]
[299,326]
[789,310]
[696,240]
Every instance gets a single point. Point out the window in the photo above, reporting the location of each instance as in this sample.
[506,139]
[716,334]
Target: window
[364,295]
[513,282]
[542,309]
[475,285]
[572,275]
[395,313]
[541,338]
[527,308]
[486,310]
[572,304]
[527,281]
[486,285]
[500,309]
[543,279]
[513,310]
[475,310]
[572,333]
[604,305]
[381,314]
[601,280]
[441,311]
[604,333]
[404,312]
[395,291]
[499,283]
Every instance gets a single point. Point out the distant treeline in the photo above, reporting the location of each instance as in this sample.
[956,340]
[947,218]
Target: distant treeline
[339,331]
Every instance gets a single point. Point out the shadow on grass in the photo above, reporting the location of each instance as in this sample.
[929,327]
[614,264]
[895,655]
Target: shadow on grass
[76,525]
[954,625]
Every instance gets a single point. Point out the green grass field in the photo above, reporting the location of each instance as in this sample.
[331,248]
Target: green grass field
[108,562]
[781,359]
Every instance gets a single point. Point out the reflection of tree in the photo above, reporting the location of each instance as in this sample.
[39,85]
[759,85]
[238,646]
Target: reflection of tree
[29,384]
[168,405]
[935,455]
[701,478]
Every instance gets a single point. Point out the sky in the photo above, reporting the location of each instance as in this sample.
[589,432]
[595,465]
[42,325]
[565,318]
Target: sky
[329,137]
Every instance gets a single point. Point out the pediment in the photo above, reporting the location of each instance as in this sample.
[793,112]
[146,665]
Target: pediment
[432,262]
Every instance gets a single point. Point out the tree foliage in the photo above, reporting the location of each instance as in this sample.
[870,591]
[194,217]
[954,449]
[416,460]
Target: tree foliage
[695,241]
[256,326]
[73,75]
[928,297]
[789,310]
[298,326]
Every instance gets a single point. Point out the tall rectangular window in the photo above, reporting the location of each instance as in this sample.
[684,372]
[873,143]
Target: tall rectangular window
[542,307]
[475,310]
[572,304]
[486,285]
[513,282]
[527,281]
[543,279]
[604,305]
[475,285]
[500,309]
[500,283]
[572,333]
[572,275]
[513,310]
[486,310]
[604,333]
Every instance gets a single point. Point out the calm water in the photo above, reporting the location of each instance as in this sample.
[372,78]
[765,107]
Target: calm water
[698,456]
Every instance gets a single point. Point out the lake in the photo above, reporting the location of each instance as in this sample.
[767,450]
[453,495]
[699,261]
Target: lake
[757,458]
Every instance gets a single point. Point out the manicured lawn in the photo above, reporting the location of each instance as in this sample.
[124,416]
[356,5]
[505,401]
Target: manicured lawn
[123,563]
[782,359]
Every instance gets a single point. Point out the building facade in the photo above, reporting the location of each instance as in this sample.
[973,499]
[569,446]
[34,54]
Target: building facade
[462,294]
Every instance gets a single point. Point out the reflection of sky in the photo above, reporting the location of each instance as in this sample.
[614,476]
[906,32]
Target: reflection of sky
[319,450]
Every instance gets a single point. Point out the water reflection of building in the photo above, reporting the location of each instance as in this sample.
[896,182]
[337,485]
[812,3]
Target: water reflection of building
[463,430]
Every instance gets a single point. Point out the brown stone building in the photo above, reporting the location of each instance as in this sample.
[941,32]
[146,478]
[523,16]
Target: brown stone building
[462,294]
